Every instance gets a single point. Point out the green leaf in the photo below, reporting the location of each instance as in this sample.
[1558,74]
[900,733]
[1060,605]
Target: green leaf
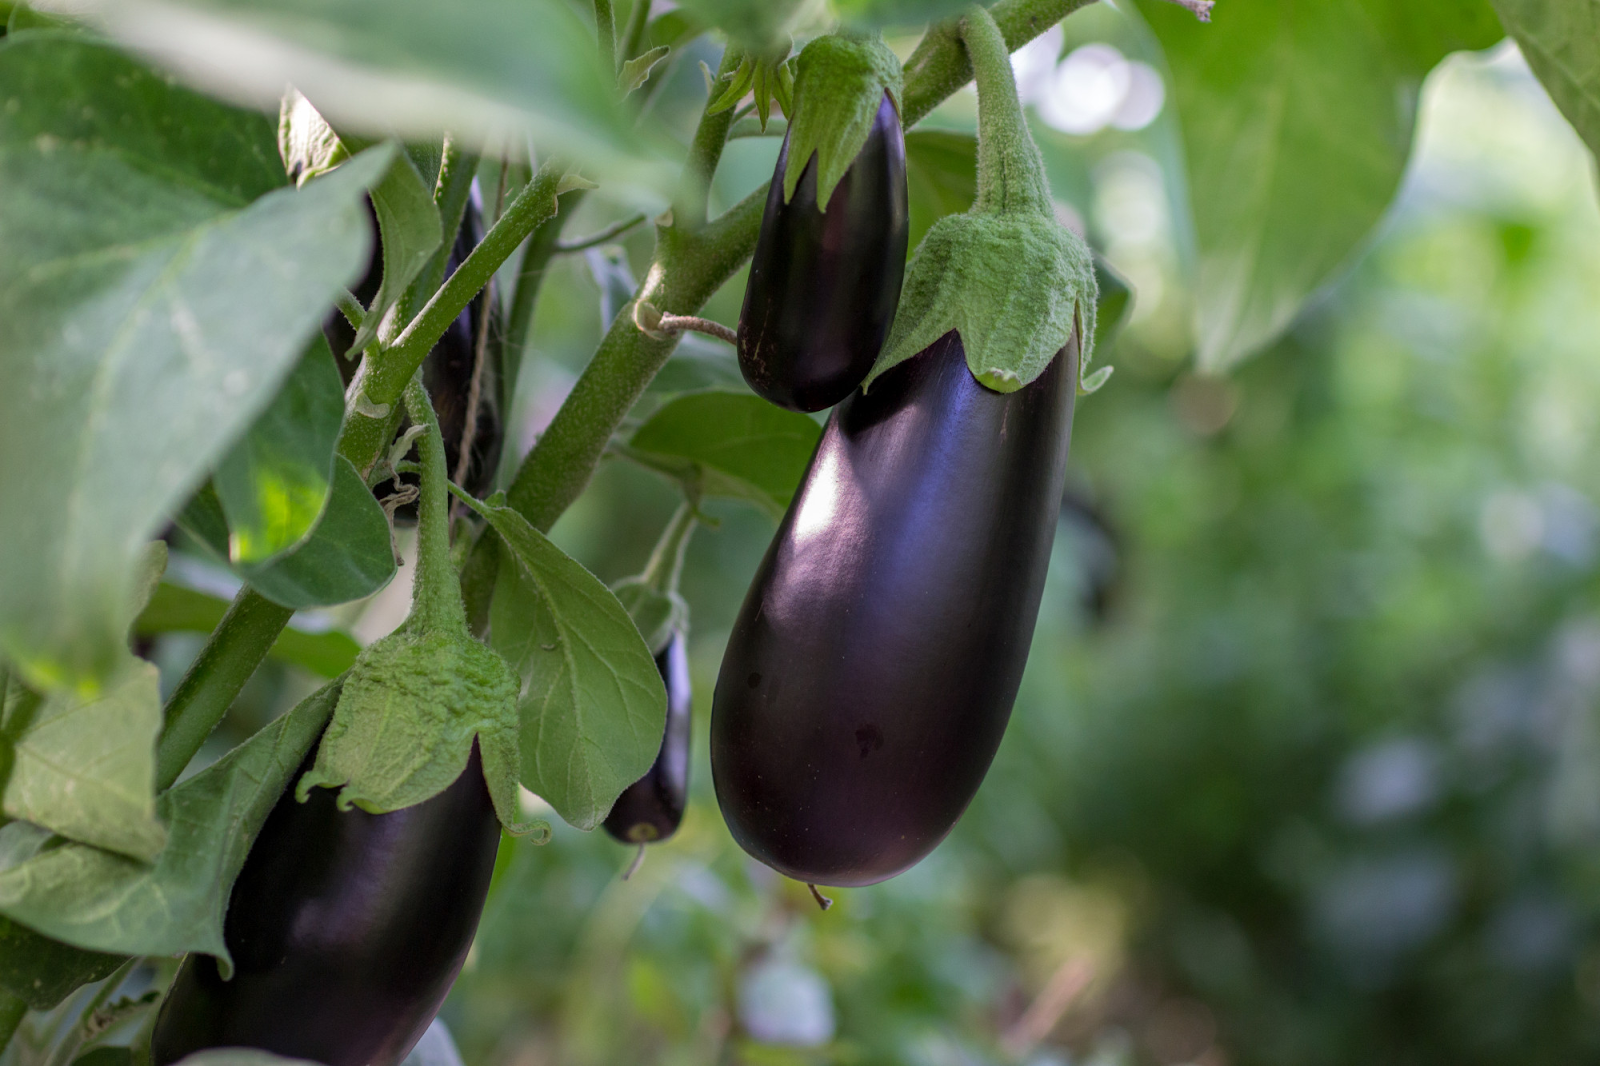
[86,768]
[1296,120]
[347,556]
[173,608]
[1560,39]
[415,69]
[593,704]
[274,483]
[42,971]
[838,89]
[636,71]
[306,143]
[151,310]
[751,25]
[729,444]
[102,901]
[408,219]
[407,717]
[941,177]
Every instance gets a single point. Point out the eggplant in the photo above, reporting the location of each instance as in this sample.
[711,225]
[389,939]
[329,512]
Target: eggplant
[651,808]
[447,371]
[824,285]
[346,930]
[872,668]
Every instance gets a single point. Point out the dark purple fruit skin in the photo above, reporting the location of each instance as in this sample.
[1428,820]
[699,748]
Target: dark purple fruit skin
[871,671]
[651,808]
[447,371]
[346,929]
[824,286]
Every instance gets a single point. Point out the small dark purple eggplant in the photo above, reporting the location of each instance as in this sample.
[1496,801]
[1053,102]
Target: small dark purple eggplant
[651,808]
[871,671]
[346,929]
[824,285]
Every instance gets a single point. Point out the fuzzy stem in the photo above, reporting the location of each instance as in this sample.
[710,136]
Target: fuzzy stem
[687,271]
[231,655]
[1010,169]
[666,560]
[605,31]
[436,589]
[705,152]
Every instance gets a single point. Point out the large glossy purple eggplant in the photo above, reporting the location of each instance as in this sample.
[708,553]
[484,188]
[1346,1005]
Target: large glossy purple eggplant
[346,930]
[651,808]
[872,668]
[447,371]
[824,285]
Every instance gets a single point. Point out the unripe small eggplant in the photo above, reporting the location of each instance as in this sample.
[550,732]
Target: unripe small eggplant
[824,285]
[346,930]
[651,808]
[871,671]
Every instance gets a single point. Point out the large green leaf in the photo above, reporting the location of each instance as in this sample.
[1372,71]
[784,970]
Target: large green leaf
[151,310]
[347,555]
[86,767]
[480,69]
[729,444]
[1296,120]
[174,608]
[275,482]
[593,705]
[408,220]
[101,901]
[42,971]
[1561,41]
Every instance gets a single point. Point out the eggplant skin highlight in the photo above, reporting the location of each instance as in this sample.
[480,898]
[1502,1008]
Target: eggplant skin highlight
[346,928]
[871,671]
[651,809]
[824,286]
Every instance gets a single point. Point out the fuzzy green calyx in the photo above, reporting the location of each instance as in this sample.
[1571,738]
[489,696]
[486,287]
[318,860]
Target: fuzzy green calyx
[407,715]
[838,89]
[414,701]
[769,77]
[1006,276]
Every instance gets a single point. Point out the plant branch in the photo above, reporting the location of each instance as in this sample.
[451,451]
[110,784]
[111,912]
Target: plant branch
[705,152]
[436,592]
[351,309]
[605,31]
[695,258]
[616,229]
[381,380]
[229,658]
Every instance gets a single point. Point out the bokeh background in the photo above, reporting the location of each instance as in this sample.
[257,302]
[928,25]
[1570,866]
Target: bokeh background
[1306,764]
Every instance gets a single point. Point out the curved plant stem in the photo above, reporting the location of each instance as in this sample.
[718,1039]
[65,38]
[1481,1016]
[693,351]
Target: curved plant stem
[616,229]
[436,593]
[231,655]
[694,258]
[666,559]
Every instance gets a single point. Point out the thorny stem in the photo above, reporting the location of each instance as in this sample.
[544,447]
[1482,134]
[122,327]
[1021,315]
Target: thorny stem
[692,262]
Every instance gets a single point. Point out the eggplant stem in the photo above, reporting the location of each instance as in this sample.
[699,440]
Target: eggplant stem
[822,901]
[656,324]
[633,867]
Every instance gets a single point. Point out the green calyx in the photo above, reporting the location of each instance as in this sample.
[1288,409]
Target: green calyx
[769,77]
[838,89]
[414,701]
[1006,276]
